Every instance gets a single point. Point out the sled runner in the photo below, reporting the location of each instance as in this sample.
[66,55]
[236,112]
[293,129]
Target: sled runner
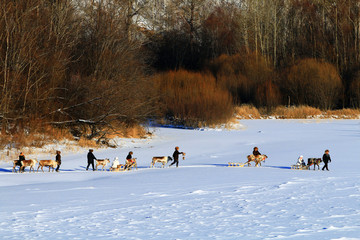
[118,168]
[234,164]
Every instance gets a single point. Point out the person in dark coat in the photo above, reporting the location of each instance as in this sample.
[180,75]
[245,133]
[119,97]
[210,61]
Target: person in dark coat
[129,160]
[91,158]
[58,160]
[256,152]
[326,159]
[176,157]
[21,158]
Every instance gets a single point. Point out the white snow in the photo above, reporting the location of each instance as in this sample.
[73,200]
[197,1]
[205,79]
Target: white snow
[203,198]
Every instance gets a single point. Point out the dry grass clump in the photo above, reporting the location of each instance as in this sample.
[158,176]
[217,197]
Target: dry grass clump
[37,136]
[247,112]
[124,130]
[345,113]
[135,131]
[296,112]
[90,143]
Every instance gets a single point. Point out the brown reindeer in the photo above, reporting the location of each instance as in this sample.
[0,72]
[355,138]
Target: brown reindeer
[102,162]
[16,163]
[257,160]
[163,159]
[315,162]
[28,163]
[130,164]
[47,163]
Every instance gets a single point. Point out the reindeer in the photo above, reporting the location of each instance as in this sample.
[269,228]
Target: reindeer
[163,159]
[16,163]
[28,163]
[315,162]
[102,162]
[257,160]
[47,163]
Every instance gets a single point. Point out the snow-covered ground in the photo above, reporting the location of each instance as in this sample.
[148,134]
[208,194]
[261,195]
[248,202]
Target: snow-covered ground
[203,198]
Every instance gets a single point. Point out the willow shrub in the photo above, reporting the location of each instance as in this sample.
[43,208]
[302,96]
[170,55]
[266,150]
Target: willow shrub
[248,77]
[314,83]
[193,98]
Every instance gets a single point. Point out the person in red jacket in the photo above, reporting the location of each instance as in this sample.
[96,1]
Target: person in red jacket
[129,160]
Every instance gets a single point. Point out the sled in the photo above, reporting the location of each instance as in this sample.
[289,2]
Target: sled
[119,168]
[234,164]
[299,167]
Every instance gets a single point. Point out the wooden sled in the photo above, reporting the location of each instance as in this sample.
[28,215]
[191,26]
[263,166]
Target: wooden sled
[299,167]
[234,164]
[119,168]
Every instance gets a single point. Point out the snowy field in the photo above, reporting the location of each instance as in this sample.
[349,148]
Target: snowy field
[203,198]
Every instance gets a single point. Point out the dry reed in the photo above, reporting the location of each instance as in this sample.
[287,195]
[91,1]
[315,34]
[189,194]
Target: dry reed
[296,112]
[345,113]
[247,112]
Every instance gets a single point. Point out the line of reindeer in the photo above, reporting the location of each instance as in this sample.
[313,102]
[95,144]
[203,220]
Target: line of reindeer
[116,166]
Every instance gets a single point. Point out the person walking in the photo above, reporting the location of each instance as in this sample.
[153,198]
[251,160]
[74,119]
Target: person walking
[21,158]
[90,158]
[176,157]
[58,160]
[326,159]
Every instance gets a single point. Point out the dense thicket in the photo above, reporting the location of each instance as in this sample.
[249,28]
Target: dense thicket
[193,98]
[248,78]
[88,63]
[70,64]
[314,83]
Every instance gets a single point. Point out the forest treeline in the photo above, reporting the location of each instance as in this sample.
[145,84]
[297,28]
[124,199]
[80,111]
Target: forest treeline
[92,65]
